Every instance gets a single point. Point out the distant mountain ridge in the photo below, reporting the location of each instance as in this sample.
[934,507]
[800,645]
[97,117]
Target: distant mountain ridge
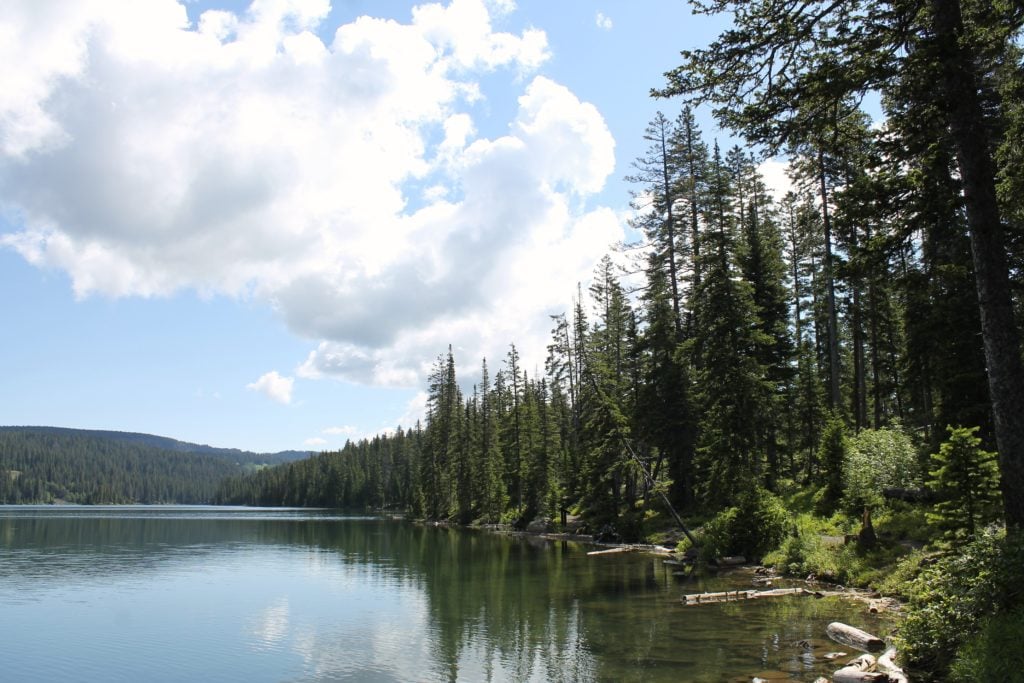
[168,444]
[61,465]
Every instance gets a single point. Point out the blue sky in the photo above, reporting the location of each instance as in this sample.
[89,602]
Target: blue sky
[256,225]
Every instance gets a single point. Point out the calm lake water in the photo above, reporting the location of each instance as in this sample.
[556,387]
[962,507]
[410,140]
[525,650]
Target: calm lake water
[227,594]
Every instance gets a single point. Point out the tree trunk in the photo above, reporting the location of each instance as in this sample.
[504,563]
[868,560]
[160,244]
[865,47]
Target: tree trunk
[670,225]
[988,244]
[834,397]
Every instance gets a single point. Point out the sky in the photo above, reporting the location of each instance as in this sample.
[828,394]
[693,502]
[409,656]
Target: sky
[258,224]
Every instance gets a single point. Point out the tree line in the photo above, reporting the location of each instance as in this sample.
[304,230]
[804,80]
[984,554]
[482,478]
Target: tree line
[711,354]
[40,466]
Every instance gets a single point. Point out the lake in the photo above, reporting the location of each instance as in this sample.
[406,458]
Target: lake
[143,593]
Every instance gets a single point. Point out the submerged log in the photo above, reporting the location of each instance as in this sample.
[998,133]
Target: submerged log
[854,637]
[612,551]
[723,596]
[733,596]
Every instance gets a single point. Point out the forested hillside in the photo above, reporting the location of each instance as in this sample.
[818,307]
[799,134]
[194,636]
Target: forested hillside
[45,464]
[164,443]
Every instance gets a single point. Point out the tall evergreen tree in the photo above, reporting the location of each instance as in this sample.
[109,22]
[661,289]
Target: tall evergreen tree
[732,391]
[767,74]
[656,205]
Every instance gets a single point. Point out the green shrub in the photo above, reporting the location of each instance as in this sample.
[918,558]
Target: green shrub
[758,523]
[878,459]
[899,581]
[994,654]
[951,600]
[905,521]
[804,552]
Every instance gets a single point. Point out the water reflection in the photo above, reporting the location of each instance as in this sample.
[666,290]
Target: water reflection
[207,594]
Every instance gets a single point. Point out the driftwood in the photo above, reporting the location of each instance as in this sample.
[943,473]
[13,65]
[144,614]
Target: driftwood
[854,637]
[733,596]
[613,551]
[864,662]
[856,676]
[887,665]
[860,669]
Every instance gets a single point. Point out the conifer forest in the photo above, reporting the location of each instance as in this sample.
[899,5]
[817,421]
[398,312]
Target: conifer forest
[728,347]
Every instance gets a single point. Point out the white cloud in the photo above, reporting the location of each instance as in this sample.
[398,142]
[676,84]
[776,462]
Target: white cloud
[342,182]
[315,442]
[345,430]
[603,21]
[775,173]
[415,410]
[274,386]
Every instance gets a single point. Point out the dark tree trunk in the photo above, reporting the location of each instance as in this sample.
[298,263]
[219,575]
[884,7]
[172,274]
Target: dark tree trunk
[988,244]
[670,226]
[834,396]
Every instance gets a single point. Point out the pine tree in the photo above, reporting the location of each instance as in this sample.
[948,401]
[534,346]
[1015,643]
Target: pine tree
[442,463]
[732,391]
[492,495]
[759,258]
[965,480]
[806,407]
[831,462]
[664,412]
[656,206]
[779,74]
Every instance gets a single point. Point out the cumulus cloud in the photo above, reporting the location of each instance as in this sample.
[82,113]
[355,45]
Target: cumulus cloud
[340,180]
[776,177]
[603,21]
[346,430]
[274,386]
[315,442]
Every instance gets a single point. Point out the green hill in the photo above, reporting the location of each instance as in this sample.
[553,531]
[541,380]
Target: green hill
[53,464]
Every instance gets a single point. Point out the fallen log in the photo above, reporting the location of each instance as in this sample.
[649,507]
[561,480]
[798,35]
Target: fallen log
[864,662]
[854,637]
[845,675]
[723,596]
[612,551]
[887,665]
[733,596]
